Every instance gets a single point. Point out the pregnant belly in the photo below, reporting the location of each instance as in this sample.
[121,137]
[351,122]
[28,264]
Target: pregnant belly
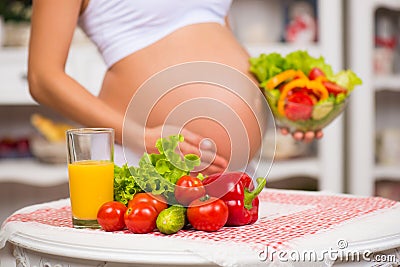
[216,113]
[202,42]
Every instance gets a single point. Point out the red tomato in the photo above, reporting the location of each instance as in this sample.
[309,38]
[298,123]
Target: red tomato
[111,216]
[298,106]
[141,218]
[207,214]
[315,73]
[305,91]
[159,201]
[187,189]
[334,88]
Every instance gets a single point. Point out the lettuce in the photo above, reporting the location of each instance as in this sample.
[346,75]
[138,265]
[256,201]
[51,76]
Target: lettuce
[125,186]
[157,172]
[266,66]
[301,60]
[347,79]
[169,163]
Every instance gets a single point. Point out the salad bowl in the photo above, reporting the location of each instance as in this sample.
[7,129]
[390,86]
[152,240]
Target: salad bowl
[303,92]
[303,116]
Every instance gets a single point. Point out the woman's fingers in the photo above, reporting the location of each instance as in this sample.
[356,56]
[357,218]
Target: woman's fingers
[211,169]
[298,135]
[203,147]
[309,137]
[191,138]
[192,144]
[207,157]
[306,137]
[284,131]
[319,134]
[212,158]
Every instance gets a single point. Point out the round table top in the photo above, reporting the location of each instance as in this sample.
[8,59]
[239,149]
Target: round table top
[288,220]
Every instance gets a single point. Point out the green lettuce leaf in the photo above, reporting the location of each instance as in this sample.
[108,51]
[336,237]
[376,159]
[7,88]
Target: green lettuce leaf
[301,60]
[157,172]
[347,79]
[266,66]
[125,186]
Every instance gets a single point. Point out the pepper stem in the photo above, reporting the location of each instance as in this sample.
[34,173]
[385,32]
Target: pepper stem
[250,196]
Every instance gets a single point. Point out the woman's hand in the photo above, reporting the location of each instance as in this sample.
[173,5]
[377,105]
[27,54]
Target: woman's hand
[307,137]
[193,143]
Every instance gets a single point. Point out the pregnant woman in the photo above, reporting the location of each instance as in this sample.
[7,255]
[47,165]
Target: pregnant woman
[138,39]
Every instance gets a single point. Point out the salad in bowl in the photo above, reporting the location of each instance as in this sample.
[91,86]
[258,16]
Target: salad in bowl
[303,92]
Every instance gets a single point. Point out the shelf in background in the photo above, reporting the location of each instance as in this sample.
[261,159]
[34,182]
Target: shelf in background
[391,82]
[281,48]
[21,98]
[391,4]
[84,64]
[307,167]
[389,172]
[32,172]
[13,74]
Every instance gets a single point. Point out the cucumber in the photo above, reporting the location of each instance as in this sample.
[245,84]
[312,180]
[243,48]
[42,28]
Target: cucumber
[321,110]
[171,220]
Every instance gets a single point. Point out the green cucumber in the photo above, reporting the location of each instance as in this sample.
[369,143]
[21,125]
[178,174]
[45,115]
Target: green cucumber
[320,111]
[171,220]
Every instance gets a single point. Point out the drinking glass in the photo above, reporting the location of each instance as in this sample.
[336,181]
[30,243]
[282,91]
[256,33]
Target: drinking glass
[90,172]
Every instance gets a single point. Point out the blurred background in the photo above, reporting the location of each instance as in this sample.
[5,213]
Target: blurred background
[360,153]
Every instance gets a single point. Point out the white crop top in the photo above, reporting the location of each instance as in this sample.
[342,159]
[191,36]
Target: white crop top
[121,27]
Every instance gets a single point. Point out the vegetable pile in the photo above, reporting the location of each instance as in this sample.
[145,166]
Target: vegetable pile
[157,172]
[303,91]
[160,194]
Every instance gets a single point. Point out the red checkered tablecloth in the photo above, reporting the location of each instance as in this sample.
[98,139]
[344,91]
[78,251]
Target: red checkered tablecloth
[312,214]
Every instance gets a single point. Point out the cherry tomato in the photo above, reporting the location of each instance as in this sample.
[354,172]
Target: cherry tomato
[141,218]
[159,201]
[311,94]
[299,106]
[306,91]
[315,73]
[207,214]
[334,88]
[111,216]
[187,189]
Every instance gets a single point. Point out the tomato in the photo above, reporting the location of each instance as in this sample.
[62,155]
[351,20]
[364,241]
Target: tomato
[334,88]
[111,216]
[141,218]
[315,73]
[187,189]
[159,201]
[207,214]
[305,91]
[299,106]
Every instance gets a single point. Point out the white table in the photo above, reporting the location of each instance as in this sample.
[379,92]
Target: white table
[290,221]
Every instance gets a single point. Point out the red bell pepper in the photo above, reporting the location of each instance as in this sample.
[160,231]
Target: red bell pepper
[236,189]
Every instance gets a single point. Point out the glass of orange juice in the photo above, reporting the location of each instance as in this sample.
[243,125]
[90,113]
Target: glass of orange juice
[90,172]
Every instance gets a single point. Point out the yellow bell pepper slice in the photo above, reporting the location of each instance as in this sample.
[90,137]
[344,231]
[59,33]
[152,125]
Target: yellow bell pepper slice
[321,79]
[317,87]
[286,89]
[284,76]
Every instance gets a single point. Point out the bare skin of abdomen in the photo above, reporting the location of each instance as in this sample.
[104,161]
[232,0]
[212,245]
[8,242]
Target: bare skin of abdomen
[200,42]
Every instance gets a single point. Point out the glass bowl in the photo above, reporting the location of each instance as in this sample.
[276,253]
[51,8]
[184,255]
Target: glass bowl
[305,117]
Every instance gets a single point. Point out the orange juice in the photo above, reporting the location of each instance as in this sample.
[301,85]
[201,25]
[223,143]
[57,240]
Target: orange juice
[91,183]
